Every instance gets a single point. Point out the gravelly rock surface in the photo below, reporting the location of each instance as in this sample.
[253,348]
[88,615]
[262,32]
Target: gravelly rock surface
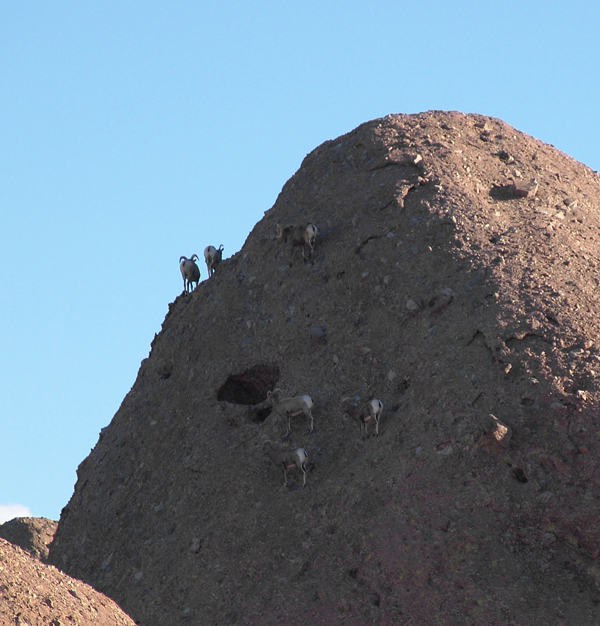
[456,279]
[35,594]
[33,534]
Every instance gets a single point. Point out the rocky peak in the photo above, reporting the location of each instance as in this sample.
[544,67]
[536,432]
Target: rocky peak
[455,279]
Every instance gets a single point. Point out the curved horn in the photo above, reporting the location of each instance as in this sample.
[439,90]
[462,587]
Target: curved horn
[182,258]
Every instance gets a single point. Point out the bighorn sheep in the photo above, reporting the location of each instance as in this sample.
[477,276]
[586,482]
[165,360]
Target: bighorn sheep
[290,407]
[303,236]
[190,272]
[363,414]
[213,257]
[288,459]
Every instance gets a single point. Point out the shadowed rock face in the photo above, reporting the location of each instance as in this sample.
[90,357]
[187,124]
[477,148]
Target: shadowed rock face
[33,534]
[455,278]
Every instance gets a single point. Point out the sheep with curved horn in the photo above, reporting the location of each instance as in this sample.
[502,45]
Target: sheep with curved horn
[291,407]
[190,272]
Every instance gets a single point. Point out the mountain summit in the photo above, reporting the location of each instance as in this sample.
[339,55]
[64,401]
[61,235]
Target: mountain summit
[455,278]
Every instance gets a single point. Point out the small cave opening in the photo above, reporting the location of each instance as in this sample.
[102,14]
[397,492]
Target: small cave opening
[260,415]
[520,475]
[250,388]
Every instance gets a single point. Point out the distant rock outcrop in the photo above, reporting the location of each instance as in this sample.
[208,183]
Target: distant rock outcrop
[32,594]
[33,534]
[455,278]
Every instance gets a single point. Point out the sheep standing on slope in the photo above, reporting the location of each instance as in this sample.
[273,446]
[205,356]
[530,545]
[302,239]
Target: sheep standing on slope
[212,257]
[363,414]
[288,459]
[290,407]
[302,236]
[190,272]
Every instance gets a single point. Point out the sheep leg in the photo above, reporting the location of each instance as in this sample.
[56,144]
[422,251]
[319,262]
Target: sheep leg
[307,414]
[309,257]
[310,254]
[293,414]
[311,423]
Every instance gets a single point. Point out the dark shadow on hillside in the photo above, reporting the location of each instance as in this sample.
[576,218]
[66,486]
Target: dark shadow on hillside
[250,387]
[502,192]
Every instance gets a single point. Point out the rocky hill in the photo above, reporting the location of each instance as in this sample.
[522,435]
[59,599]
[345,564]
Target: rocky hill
[35,594]
[32,534]
[456,279]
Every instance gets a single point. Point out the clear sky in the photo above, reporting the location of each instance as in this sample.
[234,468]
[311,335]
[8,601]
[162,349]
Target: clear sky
[133,132]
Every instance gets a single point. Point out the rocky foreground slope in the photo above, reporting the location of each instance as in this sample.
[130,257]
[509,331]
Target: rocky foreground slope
[35,594]
[456,279]
[32,534]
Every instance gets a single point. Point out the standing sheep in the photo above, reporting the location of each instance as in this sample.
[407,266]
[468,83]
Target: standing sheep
[290,407]
[190,272]
[363,414]
[212,257]
[288,459]
[302,236]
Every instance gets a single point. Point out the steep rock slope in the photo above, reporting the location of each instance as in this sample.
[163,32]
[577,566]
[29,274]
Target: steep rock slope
[455,278]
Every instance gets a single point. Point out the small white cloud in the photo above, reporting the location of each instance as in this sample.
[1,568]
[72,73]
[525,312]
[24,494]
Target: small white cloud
[10,511]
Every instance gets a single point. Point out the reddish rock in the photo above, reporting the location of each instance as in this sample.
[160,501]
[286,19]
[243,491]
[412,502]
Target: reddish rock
[496,431]
[37,594]
[523,189]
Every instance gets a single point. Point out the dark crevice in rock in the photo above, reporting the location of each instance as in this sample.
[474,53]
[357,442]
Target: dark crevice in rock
[250,387]
[366,241]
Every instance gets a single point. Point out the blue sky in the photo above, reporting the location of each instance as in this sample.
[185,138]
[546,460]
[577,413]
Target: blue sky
[132,133]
